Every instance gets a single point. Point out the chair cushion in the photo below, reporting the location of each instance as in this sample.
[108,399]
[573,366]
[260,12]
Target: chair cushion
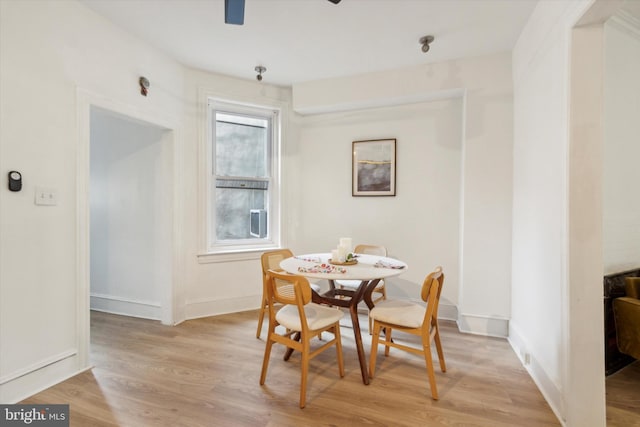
[318,316]
[399,312]
[315,287]
[351,284]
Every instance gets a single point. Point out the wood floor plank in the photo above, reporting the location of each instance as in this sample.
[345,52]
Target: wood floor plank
[623,397]
[205,372]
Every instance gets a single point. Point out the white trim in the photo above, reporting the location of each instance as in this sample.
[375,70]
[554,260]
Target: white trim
[126,306]
[212,253]
[36,381]
[626,22]
[549,389]
[461,223]
[207,308]
[38,365]
[247,255]
[447,311]
[172,308]
[380,102]
[83,257]
[477,324]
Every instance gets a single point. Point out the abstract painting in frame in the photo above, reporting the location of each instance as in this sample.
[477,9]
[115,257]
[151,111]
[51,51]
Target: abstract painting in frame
[374,168]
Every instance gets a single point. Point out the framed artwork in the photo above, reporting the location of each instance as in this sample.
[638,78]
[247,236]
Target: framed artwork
[374,168]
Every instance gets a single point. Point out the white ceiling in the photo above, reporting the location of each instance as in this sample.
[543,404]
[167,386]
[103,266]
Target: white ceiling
[303,40]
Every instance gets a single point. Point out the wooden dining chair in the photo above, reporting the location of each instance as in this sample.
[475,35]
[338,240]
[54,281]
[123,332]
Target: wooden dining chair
[413,318]
[353,284]
[299,315]
[271,261]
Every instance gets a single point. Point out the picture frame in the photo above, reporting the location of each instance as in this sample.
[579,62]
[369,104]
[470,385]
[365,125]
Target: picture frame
[374,167]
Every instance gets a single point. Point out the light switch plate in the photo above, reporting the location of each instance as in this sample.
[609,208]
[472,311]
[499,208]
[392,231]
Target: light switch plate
[46,197]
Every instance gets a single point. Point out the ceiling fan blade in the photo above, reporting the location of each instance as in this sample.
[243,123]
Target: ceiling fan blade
[234,12]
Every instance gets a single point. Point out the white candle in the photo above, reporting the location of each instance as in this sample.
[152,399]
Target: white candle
[334,255]
[347,243]
[342,253]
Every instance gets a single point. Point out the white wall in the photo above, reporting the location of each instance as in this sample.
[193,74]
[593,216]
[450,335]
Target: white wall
[130,216]
[621,222]
[557,308]
[421,224]
[539,200]
[49,51]
[217,284]
[483,281]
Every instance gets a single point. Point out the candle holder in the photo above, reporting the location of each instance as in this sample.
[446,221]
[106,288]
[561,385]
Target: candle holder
[350,259]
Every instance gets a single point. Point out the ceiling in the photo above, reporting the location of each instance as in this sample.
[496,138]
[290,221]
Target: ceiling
[304,40]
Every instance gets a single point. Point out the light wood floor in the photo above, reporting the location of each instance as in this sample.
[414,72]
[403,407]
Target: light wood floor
[205,372]
[623,397]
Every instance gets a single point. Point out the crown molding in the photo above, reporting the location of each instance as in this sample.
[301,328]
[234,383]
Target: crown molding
[625,21]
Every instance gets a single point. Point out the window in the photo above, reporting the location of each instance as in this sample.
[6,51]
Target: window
[243,208]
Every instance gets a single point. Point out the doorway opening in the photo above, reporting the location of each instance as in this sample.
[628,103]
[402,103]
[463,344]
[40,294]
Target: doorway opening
[130,211]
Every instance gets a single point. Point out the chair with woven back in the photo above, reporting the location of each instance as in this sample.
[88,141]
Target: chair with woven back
[299,316]
[412,318]
[271,261]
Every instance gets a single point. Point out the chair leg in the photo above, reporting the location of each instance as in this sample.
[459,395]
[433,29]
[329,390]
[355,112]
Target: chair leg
[383,291]
[374,348]
[387,339]
[304,366]
[429,361]
[436,338]
[265,361]
[263,311]
[336,331]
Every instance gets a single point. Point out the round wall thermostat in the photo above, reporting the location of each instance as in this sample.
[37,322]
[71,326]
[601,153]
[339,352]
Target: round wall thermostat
[15,181]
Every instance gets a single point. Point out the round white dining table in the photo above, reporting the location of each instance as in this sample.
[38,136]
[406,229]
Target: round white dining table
[369,270]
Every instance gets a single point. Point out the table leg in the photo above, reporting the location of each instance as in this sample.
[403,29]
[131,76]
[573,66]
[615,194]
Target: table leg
[333,298]
[289,352]
[363,293]
[368,291]
[353,309]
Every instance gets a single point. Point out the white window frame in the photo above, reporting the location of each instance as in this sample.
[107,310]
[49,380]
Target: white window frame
[274,164]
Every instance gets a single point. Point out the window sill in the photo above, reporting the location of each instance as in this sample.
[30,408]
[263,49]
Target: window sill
[232,256]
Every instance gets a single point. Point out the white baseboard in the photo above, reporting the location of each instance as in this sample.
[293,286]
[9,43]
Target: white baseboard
[550,390]
[126,307]
[447,311]
[483,325]
[197,309]
[20,387]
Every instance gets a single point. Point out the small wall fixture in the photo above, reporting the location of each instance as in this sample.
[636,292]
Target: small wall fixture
[144,85]
[424,41]
[260,69]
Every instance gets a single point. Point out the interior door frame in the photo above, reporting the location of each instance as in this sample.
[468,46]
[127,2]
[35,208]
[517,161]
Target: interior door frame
[172,302]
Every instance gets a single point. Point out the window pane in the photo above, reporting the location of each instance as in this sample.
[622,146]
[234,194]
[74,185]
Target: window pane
[233,207]
[243,177]
[241,145]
